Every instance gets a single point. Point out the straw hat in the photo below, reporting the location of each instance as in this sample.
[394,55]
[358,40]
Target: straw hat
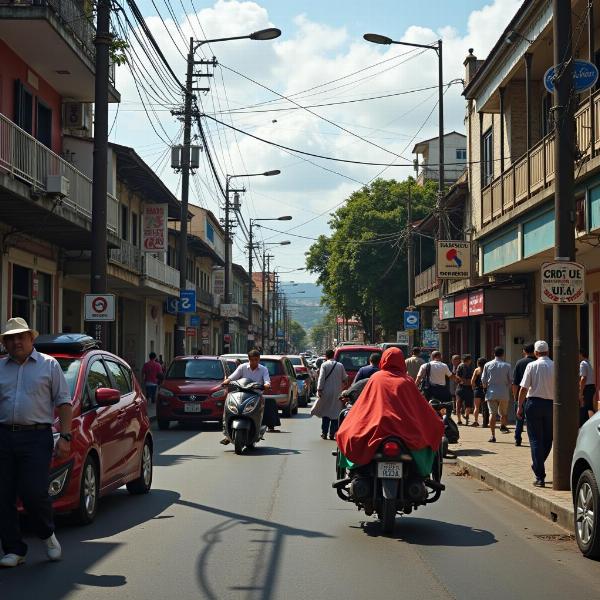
[17,325]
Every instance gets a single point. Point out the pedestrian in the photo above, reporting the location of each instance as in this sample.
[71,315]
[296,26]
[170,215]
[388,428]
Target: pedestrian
[496,381]
[528,356]
[332,377]
[537,387]
[433,377]
[413,364]
[32,387]
[479,395]
[161,362]
[455,361]
[587,388]
[464,388]
[151,374]
[372,367]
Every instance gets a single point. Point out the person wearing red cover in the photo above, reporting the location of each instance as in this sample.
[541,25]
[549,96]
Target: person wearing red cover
[391,405]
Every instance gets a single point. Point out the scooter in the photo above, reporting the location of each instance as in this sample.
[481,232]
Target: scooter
[243,414]
[451,432]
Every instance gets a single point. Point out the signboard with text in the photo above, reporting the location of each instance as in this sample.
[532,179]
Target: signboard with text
[229,310]
[563,282]
[461,305]
[453,259]
[403,337]
[99,307]
[476,303]
[187,301]
[155,218]
[585,75]
[411,319]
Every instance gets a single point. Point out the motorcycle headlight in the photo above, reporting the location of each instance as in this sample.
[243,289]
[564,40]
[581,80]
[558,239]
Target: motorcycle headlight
[250,406]
[218,394]
[232,404]
[57,483]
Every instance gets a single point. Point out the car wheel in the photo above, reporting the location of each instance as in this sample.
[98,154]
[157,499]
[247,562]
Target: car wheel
[586,515]
[287,410]
[143,483]
[163,425]
[88,493]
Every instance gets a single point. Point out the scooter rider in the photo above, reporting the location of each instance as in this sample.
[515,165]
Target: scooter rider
[258,373]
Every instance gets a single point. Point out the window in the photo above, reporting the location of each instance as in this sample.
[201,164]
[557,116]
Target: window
[123,385]
[70,369]
[124,222]
[171,257]
[461,154]
[21,292]
[354,359]
[273,366]
[210,232]
[44,124]
[487,161]
[199,369]
[97,378]
[43,305]
[134,228]
[23,107]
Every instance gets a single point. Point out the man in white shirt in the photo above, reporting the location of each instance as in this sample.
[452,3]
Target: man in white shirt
[537,388]
[436,372]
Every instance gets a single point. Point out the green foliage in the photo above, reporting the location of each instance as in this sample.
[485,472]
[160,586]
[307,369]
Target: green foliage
[298,336]
[362,264]
[117,51]
[321,335]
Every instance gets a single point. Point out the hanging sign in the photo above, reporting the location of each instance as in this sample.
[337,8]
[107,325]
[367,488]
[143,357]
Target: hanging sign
[453,259]
[585,75]
[563,283]
[99,307]
[155,219]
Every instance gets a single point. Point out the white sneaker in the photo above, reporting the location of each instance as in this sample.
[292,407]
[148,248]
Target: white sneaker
[53,549]
[11,560]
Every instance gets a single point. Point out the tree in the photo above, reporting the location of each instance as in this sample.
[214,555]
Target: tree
[297,335]
[362,264]
[322,334]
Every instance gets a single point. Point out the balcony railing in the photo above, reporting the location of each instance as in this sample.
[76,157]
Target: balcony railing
[159,271]
[127,255]
[426,281]
[25,158]
[204,296]
[534,171]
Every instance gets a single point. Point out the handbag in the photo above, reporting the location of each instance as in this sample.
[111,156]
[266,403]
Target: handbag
[425,385]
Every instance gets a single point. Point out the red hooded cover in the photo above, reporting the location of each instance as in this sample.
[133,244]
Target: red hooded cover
[390,405]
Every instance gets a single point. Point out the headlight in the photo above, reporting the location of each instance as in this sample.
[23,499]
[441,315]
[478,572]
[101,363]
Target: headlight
[165,392]
[57,483]
[218,394]
[232,404]
[250,406]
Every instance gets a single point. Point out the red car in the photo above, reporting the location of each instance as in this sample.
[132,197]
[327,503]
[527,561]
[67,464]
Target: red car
[353,358]
[112,444]
[284,386]
[191,390]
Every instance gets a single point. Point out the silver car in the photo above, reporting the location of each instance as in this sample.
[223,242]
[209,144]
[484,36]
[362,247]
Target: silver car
[585,475]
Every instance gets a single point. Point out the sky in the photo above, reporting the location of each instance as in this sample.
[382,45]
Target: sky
[320,58]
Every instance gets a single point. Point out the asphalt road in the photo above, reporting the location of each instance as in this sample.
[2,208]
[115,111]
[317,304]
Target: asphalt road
[268,525]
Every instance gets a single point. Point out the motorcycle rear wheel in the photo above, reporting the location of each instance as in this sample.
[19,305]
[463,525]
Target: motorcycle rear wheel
[387,516]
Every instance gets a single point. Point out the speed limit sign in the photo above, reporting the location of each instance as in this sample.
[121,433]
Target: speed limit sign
[99,307]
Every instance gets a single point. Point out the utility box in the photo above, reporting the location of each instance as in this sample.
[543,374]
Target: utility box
[58,185]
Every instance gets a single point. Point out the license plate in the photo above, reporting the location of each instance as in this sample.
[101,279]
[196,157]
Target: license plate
[193,408]
[389,470]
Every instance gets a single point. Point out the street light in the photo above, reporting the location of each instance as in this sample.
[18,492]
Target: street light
[263,34]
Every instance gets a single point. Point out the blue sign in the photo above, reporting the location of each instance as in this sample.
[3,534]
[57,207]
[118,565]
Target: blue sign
[195,321]
[585,75]
[171,305]
[411,319]
[187,301]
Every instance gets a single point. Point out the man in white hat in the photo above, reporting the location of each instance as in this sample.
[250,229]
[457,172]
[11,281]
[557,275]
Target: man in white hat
[537,388]
[32,386]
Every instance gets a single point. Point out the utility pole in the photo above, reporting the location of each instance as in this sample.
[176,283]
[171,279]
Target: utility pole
[266,305]
[410,255]
[565,317]
[102,42]
[251,343]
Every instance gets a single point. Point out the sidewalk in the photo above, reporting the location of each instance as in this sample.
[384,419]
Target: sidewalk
[507,468]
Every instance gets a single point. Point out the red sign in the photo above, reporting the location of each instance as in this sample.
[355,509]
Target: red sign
[190,331]
[476,303]
[154,227]
[35,285]
[461,305]
[440,308]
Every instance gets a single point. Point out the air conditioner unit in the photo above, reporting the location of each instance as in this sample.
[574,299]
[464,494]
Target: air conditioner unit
[76,115]
[57,184]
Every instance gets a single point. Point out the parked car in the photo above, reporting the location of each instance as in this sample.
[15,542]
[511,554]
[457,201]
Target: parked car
[301,366]
[405,350]
[585,475]
[112,444]
[191,390]
[353,358]
[233,357]
[284,384]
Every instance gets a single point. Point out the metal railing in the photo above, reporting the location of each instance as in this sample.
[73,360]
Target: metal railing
[204,296]
[159,271]
[126,255]
[27,159]
[426,281]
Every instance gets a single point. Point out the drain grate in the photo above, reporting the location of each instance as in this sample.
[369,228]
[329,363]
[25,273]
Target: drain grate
[556,537]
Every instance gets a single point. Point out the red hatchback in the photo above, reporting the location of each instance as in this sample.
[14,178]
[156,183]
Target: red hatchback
[284,386]
[191,390]
[353,358]
[112,444]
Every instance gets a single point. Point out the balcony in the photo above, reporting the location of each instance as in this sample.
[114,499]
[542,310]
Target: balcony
[24,160]
[159,277]
[534,171]
[127,256]
[204,297]
[63,52]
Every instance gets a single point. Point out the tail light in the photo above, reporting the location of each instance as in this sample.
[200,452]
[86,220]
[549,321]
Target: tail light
[391,449]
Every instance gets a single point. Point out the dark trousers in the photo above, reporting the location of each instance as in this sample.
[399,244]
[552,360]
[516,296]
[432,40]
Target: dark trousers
[329,425]
[519,423]
[538,412]
[24,470]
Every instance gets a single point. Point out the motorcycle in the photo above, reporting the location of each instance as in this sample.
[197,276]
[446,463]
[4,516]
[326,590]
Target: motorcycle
[243,414]
[390,483]
[451,431]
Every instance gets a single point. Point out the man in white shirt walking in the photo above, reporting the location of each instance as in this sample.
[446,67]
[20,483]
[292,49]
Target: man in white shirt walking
[433,376]
[537,390]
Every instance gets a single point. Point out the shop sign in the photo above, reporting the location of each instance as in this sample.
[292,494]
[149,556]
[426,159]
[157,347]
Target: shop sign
[430,338]
[219,282]
[155,218]
[448,308]
[195,320]
[171,305]
[229,310]
[476,303]
[402,337]
[190,331]
[99,307]
[35,285]
[563,283]
[461,305]
[585,75]
[453,259]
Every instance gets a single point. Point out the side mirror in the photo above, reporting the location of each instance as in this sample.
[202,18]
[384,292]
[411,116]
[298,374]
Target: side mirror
[107,396]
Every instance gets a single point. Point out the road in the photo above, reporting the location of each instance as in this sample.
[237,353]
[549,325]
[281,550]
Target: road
[268,525]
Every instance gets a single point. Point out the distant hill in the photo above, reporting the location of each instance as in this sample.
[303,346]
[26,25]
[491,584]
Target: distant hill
[305,306]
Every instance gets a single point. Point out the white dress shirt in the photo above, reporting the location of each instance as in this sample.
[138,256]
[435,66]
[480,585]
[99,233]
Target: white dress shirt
[258,375]
[438,374]
[538,378]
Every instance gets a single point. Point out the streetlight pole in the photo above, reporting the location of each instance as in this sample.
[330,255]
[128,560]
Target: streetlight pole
[265,297]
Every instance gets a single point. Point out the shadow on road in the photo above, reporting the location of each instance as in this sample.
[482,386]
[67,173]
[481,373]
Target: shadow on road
[430,532]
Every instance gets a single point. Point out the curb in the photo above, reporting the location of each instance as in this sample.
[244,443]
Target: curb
[545,507]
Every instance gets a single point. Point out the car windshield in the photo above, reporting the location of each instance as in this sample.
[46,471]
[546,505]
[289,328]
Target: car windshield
[70,369]
[196,369]
[354,359]
[273,366]
[296,360]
